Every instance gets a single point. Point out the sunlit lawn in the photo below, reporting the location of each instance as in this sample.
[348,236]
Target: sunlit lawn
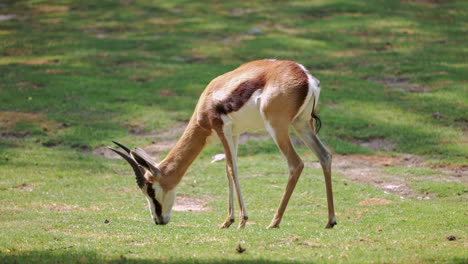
[75,75]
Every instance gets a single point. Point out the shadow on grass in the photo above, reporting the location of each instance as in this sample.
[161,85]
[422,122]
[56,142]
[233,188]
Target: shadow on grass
[49,256]
[91,257]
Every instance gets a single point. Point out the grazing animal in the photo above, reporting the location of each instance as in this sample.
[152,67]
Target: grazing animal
[265,94]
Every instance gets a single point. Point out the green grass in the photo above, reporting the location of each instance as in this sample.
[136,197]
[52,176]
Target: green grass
[75,75]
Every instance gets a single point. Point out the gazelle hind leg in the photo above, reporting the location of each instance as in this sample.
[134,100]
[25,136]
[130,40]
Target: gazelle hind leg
[304,130]
[295,165]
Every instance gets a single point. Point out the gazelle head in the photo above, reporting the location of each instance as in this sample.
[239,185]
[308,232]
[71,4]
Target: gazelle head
[148,178]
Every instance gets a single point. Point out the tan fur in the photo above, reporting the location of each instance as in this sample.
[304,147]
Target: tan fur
[189,146]
[279,74]
[284,86]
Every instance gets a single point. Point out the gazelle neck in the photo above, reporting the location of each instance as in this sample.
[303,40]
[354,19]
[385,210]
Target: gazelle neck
[186,150]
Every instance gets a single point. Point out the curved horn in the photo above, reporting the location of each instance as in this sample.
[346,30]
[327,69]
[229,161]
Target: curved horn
[145,160]
[122,146]
[139,171]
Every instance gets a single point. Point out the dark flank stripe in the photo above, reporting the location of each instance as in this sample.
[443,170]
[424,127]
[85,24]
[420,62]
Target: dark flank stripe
[240,96]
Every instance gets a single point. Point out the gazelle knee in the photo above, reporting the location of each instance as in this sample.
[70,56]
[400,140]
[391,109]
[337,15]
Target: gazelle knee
[296,170]
[326,159]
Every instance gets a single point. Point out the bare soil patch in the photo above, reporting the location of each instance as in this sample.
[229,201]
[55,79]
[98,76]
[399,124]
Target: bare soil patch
[157,147]
[24,187]
[366,169]
[60,208]
[67,208]
[375,201]
[403,84]
[10,119]
[105,152]
[349,53]
[7,17]
[162,141]
[185,203]
[375,144]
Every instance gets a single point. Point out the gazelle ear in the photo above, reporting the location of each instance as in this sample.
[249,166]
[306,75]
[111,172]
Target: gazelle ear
[144,159]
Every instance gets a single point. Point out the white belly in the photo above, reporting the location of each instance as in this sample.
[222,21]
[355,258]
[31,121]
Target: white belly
[248,117]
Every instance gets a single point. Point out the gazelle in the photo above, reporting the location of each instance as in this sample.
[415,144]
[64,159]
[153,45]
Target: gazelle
[269,94]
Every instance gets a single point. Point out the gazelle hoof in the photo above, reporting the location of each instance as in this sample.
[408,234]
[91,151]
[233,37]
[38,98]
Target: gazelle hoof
[331,224]
[271,226]
[242,222]
[227,223]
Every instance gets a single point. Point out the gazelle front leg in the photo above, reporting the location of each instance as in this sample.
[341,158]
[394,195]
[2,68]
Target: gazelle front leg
[230,217]
[230,148]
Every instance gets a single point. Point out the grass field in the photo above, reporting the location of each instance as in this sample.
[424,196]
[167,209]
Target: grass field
[75,75]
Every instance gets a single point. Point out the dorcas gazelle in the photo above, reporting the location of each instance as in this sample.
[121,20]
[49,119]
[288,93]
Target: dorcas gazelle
[265,94]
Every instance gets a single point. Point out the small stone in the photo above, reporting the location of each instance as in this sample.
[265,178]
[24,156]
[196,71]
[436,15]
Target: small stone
[255,31]
[437,115]
[240,249]
[7,17]
[451,238]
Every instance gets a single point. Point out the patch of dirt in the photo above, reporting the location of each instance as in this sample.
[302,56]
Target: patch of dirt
[375,144]
[163,21]
[105,152]
[97,32]
[366,169]
[424,2]
[159,146]
[139,79]
[244,11]
[375,201]
[162,141]
[60,208]
[125,63]
[24,187]
[236,40]
[7,17]
[457,173]
[52,8]
[28,85]
[185,203]
[165,140]
[244,137]
[167,93]
[196,58]
[136,129]
[349,53]
[310,244]
[38,61]
[10,119]
[403,84]
[67,208]
[54,71]
[289,30]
